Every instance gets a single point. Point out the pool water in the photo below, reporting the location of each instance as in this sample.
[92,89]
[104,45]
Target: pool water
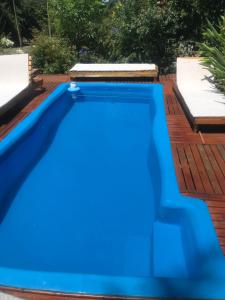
[90,204]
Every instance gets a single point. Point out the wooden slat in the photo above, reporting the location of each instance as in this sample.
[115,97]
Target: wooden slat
[201,169]
[194,170]
[169,105]
[221,149]
[179,170]
[217,171]
[210,172]
[113,74]
[219,159]
[186,168]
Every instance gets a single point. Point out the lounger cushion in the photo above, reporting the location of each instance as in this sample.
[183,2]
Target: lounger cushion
[14,69]
[7,93]
[200,95]
[203,103]
[113,67]
[14,77]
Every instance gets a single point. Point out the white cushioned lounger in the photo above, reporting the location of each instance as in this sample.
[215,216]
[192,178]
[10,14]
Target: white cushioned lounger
[114,67]
[14,79]
[199,94]
[114,70]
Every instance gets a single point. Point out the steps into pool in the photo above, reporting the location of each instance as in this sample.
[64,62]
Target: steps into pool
[168,252]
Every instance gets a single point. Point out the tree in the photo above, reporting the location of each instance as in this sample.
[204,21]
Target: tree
[18,18]
[79,21]
[191,16]
[52,54]
[141,31]
[7,19]
[17,23]
[48,15]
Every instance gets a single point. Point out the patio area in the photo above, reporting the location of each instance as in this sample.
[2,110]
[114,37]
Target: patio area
[199,157]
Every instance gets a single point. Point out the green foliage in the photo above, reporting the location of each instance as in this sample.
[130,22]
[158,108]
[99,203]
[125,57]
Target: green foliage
[30,13]
[213,51]
[158,31]
[6,42]
[14,50]
[191,16]
[52,54]
[115,30]
[79,21]
[141,31]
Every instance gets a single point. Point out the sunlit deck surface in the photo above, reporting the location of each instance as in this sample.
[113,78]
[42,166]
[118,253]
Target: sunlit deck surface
[199,159]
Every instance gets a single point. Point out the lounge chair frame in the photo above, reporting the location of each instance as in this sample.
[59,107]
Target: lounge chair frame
[120,74]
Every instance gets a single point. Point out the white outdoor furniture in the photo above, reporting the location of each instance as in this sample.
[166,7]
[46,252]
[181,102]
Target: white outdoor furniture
[201,100]
[14,80]
[113,70]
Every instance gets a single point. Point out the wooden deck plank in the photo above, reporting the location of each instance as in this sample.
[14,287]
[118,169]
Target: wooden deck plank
[177,110]
[210,172]
[201,169]
[217,171]
[221,149]
[169,105]
[193,167]
[219,159]
[179,170]
[186,168]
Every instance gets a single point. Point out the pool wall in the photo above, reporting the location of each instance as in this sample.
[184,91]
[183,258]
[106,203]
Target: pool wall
[206,267]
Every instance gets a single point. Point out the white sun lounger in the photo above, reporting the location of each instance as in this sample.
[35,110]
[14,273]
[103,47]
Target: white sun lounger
[202,102]
[14,80]
[113,70]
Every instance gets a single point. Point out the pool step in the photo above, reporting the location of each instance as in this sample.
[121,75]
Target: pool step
[168,253]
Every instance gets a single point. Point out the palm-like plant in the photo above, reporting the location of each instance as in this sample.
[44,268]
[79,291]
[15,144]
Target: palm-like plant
[213,51]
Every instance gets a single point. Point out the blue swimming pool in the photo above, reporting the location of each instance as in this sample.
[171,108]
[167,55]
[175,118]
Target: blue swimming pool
[89,201]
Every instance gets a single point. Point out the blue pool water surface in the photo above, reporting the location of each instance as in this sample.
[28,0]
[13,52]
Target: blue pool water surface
[89,190]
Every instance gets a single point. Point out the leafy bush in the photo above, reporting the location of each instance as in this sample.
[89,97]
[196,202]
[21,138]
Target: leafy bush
[52,54]
[87,56]
[213,51]
[6,42]
[190,16]
[187,48]
[159,31]
[142,32]
[80,21]
[110,30]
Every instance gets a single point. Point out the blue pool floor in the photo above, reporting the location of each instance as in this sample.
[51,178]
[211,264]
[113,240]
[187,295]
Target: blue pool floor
[87,206]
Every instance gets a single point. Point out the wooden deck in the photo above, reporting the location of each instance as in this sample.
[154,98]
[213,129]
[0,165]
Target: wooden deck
[199,157]
[199,160]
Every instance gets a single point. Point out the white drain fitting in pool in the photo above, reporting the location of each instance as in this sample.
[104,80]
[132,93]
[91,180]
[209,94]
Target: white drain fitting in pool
[73,88]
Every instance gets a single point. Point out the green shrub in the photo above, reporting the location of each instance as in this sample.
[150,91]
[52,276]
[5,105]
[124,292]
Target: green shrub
[79,20]
[141,32]
[52,54]
[5,42]
[213,51]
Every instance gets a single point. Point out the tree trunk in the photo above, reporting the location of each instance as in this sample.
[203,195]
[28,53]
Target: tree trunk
[49,23]
[17,24]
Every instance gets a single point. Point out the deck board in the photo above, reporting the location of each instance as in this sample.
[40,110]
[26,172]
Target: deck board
[199,157]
